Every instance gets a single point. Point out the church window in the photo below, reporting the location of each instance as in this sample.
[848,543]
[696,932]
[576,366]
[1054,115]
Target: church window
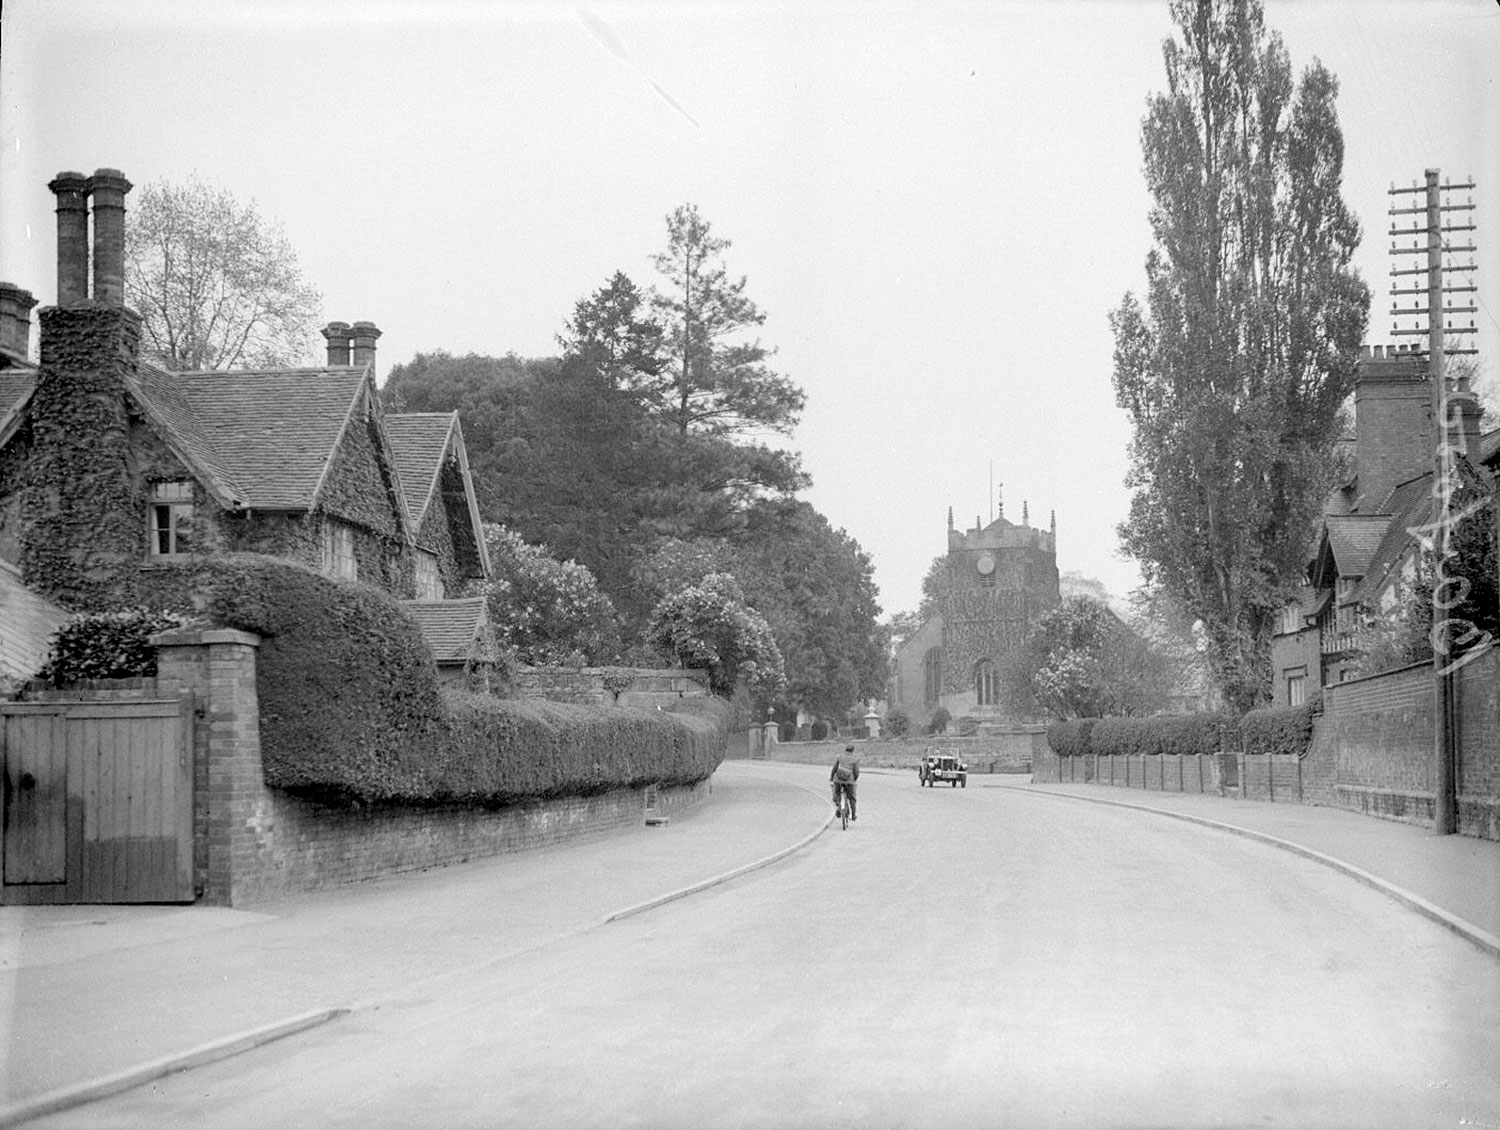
[986,683]
[932,676]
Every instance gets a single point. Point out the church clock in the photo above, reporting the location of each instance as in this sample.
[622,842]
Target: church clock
[985,564]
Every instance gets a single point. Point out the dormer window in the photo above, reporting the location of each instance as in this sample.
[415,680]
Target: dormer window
[172,518]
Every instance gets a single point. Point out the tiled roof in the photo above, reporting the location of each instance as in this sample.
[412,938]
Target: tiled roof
[1409,504]
[450,627]
[1489,446]
[265,436]
[15,388]
[1354,538]
[419,441]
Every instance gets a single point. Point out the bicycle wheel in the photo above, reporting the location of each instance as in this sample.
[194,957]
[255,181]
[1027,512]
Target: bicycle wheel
[844,812]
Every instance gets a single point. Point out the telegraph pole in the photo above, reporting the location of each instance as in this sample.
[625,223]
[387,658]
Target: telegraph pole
[1427,221]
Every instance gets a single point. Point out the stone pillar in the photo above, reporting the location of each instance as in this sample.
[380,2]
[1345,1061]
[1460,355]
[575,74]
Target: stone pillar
[109,187]
[872,724]
[233,834]
[72,192]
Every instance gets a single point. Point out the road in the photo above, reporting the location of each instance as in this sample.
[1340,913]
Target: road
[980,957]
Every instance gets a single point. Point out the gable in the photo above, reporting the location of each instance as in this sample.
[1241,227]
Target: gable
[360,484]
[260,439]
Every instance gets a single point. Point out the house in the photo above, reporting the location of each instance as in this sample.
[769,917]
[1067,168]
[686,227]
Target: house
[1367,549]
[107,461]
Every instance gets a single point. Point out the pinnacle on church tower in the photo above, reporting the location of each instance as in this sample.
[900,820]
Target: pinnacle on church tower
[1025,513]
[1054,523]
[950,518]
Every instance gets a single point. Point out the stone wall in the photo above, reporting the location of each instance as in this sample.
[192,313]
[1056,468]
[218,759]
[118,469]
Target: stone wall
[643,687]
[1010,751]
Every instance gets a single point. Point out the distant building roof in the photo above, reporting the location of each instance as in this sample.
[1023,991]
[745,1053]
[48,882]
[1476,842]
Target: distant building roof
[1352,540]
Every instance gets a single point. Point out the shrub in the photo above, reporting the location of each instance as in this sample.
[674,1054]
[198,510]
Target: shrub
[1280,729]
[710,626]
[938,723]
[546,611]
[106,645]
[897,724]
[1070,738]
[819,731]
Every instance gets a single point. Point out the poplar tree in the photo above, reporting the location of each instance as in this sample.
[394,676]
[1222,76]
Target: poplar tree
[1234,369]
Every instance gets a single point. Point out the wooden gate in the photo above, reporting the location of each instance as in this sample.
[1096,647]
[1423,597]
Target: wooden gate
[98,802]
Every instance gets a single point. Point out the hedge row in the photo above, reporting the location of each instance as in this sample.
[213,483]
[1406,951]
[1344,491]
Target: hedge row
[350,702]
[1271,729]
[1280,729]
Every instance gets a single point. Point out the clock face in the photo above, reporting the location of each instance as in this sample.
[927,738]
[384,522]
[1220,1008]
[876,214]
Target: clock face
[985,564]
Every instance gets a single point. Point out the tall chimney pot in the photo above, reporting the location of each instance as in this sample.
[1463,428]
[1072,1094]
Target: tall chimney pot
[15,319]
[72,191]
[364,334]
[109,187]
[337,335]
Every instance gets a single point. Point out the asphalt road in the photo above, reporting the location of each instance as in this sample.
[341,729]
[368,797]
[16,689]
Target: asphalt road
[977,957]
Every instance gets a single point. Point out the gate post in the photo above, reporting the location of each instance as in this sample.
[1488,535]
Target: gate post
[231,821]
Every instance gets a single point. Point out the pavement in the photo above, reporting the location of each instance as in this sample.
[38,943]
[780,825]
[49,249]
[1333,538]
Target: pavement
[98,999]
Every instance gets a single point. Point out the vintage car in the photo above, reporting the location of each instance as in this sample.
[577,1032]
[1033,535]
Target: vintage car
[937,767]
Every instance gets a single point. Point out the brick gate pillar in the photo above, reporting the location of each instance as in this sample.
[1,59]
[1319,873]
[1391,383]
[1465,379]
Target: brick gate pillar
[231,806]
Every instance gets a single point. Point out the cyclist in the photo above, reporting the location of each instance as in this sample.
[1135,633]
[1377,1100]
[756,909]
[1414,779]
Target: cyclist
[845,774]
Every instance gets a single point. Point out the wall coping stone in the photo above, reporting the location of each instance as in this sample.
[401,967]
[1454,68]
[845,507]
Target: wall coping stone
[189,637]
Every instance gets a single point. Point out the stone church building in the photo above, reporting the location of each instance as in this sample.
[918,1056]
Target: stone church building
[997,581]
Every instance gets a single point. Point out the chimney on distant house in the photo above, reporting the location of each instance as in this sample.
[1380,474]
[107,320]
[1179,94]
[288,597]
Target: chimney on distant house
[15,319]
[109,187]
[364,334]
[1393,438]
[72,191]
[337,335]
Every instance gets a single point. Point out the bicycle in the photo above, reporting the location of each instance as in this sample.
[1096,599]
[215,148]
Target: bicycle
[841,806]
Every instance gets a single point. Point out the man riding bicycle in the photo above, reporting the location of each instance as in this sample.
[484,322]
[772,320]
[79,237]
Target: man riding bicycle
[845,774]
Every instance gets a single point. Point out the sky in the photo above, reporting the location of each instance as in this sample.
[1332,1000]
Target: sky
[935,204]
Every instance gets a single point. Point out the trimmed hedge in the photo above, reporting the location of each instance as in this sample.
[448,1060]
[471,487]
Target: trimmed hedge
[350,702]
[1281,729]
[1070,737]
[1162,734]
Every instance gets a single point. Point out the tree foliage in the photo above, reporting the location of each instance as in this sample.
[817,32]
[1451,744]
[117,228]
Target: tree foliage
[546,611]
[1234,370]
[217,286]
[1081,661]
[710,626]
[719,383]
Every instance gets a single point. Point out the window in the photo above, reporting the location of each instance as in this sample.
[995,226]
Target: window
[986,683]
[932,676]
[1296,690]
[1291,619]
[171,518]
[429,580]
[338,551]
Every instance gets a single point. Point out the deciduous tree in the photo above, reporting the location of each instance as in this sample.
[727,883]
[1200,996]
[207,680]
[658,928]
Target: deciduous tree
[217,286]
[1234,369]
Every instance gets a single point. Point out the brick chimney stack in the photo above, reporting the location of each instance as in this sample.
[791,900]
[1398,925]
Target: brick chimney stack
[72,190]
[1394,437]
[109,187]
[15,319]
[365,335]
[338,336]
